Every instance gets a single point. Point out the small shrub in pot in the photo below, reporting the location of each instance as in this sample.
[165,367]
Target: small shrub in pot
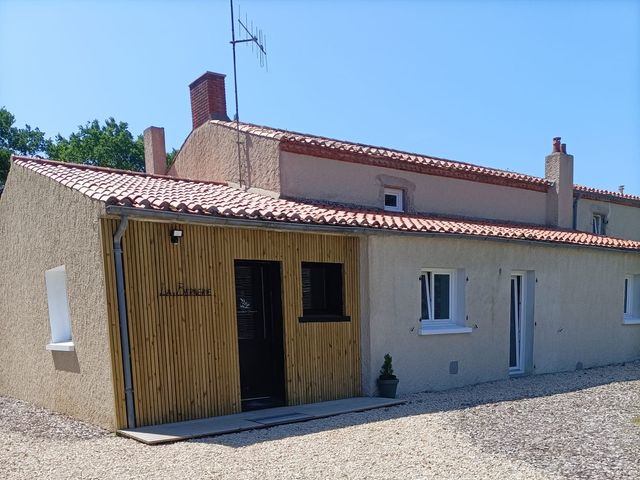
[387,381]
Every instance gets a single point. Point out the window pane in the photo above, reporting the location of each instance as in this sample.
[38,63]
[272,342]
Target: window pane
[249,307]
[322,288]
[626,295]
[307,302]
[513,362]
[441,296]
[424,297]
[59,318]
[390,200]
[597,224]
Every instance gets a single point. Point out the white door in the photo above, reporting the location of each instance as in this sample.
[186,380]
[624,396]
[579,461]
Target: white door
[517,324]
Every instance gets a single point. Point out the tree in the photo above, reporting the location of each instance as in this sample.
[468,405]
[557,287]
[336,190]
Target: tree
[171,156]
[108,145]
[23,141]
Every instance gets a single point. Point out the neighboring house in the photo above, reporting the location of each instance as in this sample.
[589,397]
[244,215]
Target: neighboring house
[606,213]
[269,267]
[309,167]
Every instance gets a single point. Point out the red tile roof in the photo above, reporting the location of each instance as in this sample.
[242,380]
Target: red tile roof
[385,157]
[607,196]
[139,190]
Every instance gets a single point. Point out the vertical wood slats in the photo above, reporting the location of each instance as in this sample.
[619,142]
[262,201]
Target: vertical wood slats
[185,349]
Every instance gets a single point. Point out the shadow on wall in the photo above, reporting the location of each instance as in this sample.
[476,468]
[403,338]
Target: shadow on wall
[443,401]
[248,167]
[66,361]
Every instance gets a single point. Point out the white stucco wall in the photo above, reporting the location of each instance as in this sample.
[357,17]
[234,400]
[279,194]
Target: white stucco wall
[210,153]
[44,225]
[302,176]
[578,309]
[623,220]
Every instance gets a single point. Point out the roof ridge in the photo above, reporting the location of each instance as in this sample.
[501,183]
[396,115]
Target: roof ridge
[378,147]
[602,191]
[96,168]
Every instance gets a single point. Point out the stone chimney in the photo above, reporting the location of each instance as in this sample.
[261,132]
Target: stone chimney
[155,154]
[208,99]
[558,168]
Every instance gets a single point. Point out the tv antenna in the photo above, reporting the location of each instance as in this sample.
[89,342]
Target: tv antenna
[258,41]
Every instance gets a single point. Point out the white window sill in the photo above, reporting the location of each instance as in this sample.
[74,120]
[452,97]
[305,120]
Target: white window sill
[444,329]
[61,347]
[631,321]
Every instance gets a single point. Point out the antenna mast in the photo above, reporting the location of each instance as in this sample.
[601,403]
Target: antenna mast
[259,40]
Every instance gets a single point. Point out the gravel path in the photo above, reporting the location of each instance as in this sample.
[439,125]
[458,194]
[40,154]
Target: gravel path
[568,425]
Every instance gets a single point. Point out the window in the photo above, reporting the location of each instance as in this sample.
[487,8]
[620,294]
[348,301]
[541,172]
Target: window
[441,306]
[59,319]
[393,200]
[436,295]
[598,223]
[628,282]
[631,306]
[322,293]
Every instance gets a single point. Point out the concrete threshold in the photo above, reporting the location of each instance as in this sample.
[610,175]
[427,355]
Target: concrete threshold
[239,422]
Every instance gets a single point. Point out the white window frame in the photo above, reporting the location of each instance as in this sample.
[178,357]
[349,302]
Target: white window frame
[520,323]
[630,313]
[399,194]
[453,324]
[597,223]
[58,304]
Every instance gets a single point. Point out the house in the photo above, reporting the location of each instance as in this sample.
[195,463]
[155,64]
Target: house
[266,267]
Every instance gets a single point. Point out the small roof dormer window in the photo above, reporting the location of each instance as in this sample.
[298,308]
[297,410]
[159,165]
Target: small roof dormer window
[598,223]
[393,200]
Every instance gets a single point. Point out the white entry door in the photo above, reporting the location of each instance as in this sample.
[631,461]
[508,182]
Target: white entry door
[517,324]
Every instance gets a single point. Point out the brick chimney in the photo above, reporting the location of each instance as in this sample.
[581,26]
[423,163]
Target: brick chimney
[155,154]
[208,99]
[558,168]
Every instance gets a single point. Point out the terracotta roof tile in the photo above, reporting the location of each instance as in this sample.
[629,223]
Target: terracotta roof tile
[361,153]
[581,188]
[607,196]
[342,150]
[137,190]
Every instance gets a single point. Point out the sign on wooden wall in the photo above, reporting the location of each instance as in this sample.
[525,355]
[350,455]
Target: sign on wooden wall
[182,291]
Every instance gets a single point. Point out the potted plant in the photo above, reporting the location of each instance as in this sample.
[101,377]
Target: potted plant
[387,382]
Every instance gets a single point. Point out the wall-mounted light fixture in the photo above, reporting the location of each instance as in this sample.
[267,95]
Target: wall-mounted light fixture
[176,235]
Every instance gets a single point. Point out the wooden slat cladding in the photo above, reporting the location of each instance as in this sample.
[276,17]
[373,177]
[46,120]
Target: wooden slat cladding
[185,349]
[108,229]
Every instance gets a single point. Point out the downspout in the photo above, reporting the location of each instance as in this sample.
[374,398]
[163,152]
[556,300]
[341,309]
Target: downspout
[124,323]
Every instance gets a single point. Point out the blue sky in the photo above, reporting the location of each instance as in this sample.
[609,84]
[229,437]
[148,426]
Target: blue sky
[486,82]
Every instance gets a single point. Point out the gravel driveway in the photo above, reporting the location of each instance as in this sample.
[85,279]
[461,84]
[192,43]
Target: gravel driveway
[567,425]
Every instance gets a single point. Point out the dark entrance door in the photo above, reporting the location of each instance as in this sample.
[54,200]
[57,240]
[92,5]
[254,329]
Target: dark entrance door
[260,334]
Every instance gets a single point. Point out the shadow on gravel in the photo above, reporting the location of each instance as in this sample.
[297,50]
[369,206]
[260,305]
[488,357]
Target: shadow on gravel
[443,401]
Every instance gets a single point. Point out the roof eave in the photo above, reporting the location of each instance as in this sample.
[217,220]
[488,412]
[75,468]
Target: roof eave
[199,219]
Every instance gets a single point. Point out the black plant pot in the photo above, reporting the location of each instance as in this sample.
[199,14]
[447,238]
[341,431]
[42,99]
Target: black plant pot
[388,387]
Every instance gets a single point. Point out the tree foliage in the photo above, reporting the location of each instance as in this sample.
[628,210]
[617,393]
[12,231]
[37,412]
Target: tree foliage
[23,141]
[171,156]
[108,145]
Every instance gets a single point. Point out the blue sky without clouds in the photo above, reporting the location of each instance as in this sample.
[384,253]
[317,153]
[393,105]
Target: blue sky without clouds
[486,82]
